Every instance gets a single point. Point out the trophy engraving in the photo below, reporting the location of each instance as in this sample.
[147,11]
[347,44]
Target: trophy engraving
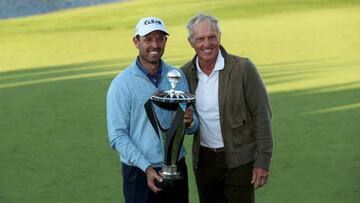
[172,138]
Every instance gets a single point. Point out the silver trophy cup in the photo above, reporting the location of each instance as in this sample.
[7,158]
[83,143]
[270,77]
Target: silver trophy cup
[171,138]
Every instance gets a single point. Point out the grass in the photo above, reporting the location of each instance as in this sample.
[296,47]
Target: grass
[55,70]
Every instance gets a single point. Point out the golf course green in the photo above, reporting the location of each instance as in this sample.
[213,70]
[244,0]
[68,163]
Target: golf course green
[55,70]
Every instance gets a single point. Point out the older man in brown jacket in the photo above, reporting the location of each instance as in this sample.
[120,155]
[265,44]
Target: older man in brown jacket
[233,148]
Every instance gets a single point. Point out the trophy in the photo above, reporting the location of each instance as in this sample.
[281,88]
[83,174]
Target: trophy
[172,138]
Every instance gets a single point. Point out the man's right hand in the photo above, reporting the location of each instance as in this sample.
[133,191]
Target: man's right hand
[151,176]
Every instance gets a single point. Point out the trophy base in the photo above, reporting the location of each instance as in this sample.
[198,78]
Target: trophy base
[168,180]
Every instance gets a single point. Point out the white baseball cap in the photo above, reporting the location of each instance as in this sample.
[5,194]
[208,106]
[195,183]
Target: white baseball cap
[149,24]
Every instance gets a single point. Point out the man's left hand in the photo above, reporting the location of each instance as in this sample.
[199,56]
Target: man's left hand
[259,177]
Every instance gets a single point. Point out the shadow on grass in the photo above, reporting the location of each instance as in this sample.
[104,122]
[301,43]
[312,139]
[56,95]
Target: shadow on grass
[54,144]
[316,139]
[62,72]
[291,72]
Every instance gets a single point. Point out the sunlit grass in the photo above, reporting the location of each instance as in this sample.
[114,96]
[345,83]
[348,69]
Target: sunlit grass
[338,108]
[55,70]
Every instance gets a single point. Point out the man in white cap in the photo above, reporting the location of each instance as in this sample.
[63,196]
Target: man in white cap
[129,129]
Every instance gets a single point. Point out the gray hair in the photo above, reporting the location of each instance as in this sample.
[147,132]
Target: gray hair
[202,17]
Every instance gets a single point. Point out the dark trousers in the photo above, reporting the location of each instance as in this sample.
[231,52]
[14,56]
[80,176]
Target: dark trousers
[218,184]
[136,189]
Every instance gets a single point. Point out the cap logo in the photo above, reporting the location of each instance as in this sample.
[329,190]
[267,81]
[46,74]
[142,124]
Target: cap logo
[147,22]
